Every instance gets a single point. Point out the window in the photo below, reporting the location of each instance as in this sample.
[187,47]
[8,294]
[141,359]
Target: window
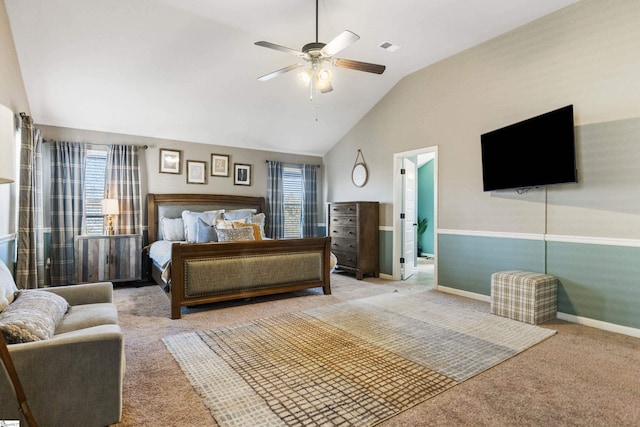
[292,187]
[95,168]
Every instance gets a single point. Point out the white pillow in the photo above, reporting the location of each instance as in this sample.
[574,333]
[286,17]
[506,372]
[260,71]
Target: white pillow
[214,215]
[236,214]
[259,219]
[172,229]
[191,222]
[8,286]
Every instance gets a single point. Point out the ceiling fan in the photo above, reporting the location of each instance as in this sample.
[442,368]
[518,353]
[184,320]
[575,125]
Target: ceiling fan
[317,53]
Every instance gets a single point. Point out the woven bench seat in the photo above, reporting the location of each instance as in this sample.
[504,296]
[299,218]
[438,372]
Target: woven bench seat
[524,296]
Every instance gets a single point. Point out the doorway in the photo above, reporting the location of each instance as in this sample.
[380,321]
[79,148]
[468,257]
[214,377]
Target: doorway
[409,262]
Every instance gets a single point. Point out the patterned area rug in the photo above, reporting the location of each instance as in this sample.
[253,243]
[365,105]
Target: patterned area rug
[355,363]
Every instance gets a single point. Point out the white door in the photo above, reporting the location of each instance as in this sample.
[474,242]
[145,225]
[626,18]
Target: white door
[409,223]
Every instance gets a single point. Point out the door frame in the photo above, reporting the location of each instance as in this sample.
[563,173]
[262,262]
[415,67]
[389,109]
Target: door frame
[397,210]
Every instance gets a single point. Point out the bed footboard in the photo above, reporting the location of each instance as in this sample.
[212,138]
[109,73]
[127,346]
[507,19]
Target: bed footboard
[209,272]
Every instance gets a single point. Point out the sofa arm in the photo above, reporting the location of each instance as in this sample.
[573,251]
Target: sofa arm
[89,293]
[73,379]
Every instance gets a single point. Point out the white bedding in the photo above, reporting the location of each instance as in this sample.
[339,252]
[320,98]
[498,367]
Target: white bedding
[160,254]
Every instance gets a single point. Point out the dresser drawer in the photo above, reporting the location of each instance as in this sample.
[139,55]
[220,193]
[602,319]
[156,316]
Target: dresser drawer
[346,209]
[348,220]
[343,244]
[347,259]
[348,232]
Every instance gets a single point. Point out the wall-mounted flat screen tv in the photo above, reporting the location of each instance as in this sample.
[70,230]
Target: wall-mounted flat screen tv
[535,152]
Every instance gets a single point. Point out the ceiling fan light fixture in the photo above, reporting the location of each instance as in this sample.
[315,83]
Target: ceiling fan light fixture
[324,75]
[305,76]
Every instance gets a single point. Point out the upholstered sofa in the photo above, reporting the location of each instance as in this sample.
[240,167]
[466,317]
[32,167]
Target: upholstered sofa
[73,378]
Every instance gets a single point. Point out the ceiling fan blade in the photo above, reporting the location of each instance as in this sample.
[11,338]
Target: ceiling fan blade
[344,39]
[280,48]
[278,72]
[359,66]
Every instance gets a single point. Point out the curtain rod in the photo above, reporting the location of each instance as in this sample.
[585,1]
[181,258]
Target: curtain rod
[291,163]
[144,147]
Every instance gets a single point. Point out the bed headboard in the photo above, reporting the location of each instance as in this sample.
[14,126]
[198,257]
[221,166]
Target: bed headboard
[172,205]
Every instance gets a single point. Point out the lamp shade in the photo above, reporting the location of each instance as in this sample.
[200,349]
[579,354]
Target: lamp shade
[7,146]
[110,207]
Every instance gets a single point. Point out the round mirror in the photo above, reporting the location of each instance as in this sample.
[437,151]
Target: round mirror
[359,175]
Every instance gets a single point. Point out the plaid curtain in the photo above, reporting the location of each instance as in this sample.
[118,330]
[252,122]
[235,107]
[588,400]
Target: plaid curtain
[309,201]
[123,183]
[30,260]
[67,196]
[275,203]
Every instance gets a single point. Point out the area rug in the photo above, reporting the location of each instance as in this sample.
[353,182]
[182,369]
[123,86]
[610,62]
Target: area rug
[354,363]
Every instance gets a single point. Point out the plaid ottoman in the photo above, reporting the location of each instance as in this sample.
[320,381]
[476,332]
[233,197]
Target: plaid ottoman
[524,296]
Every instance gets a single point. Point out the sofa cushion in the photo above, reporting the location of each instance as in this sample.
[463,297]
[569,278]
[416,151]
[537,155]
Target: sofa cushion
[32,316]
[87,316]
[7,286]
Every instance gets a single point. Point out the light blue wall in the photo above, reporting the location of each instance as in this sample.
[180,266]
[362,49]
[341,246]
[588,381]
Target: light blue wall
[599,282]
[425,205]
[467,262]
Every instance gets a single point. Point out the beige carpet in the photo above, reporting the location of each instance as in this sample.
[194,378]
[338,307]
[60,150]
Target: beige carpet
[580,376]
[351,364]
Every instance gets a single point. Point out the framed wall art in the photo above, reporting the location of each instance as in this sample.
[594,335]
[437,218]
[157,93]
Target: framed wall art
[196,172]
[241,174]
[170,161]
[219,165]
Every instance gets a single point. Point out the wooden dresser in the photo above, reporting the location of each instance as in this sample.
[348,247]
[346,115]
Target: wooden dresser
[353,227]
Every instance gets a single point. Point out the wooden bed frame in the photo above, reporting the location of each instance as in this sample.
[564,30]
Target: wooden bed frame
[184,253]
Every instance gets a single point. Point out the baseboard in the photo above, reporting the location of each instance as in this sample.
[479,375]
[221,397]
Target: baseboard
[467,294]
[386,276]
[598,324]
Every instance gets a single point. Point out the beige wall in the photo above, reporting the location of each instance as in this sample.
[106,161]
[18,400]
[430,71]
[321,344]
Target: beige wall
[152,181]
[585,55]
[13,97]
[12,92]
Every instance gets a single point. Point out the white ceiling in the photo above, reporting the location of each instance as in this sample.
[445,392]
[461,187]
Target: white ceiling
[187,69]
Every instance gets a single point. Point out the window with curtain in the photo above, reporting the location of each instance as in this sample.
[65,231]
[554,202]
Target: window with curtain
[95,170]
[292,192]
[292,200]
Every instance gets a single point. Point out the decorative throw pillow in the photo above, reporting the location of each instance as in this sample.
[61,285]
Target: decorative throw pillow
[236,214]
[32,316]
[190,223]
[205,232]
[223,224]
[235,234]
[7,286]
[172,229]
[259,219]
[254,227]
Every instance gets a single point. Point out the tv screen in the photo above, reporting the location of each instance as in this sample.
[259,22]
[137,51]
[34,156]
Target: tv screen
[535,152]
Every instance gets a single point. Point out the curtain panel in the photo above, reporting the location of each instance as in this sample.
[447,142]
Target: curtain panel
[275,201]
[309,201]
[30,256]
[123,183]
[67,207]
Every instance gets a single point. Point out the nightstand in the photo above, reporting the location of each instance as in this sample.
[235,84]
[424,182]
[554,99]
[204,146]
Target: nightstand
[114,258]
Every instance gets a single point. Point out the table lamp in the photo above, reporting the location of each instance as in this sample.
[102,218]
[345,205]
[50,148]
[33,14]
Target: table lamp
[109,208]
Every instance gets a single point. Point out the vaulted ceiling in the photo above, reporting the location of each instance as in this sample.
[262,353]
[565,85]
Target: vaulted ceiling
[187,69]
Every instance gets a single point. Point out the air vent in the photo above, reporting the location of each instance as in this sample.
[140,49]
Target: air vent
[389,46]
